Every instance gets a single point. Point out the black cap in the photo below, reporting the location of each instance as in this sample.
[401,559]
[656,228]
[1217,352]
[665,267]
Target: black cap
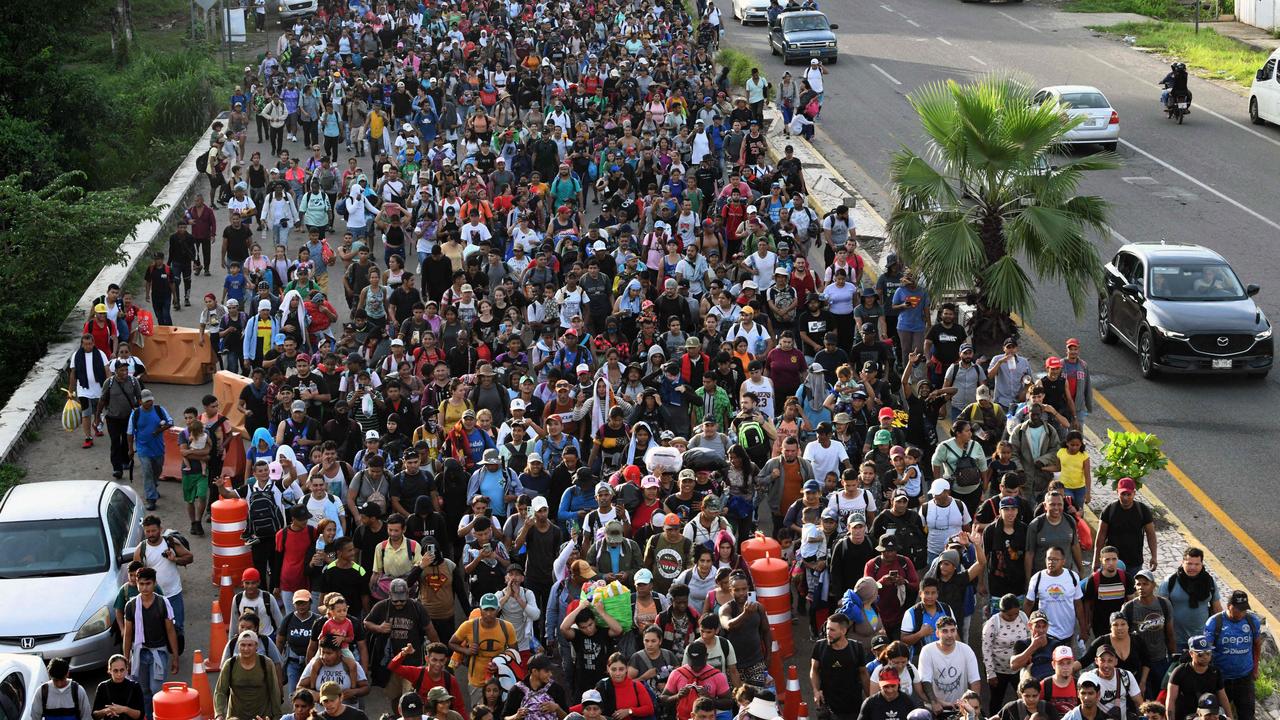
[539,662]
[1207,701]
[824,427]
[410,704]
[868,328]
[1239,599]
[371,509]
[697,652]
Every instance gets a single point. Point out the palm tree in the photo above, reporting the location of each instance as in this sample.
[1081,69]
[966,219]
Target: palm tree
[985,213]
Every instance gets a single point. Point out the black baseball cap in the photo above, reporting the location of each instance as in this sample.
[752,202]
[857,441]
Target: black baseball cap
[410,704]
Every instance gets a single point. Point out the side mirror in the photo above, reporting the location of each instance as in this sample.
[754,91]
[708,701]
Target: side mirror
[835,26]
[1252,290]
[1133,290]
[126,556]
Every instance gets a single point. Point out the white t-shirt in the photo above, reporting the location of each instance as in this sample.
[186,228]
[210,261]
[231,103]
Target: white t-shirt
[814,76]
[1111,693]
[942,523]
[863,502]
[762,267]
[571,303]
[825,459]
[1057,596]
[909,677]
[764,394]
[475,234]
[950,674]
[757,337]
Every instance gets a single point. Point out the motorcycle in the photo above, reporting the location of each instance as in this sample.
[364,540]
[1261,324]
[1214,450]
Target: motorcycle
[1176,107]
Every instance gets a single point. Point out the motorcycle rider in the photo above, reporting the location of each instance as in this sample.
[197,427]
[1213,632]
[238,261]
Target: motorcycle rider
[1175,85]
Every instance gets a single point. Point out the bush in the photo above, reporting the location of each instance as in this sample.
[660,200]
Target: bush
[1207,51]
[1129,454]
[739,64]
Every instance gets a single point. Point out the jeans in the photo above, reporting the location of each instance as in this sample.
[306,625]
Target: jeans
[1077,497]
[179,611]
[182,277]
[1004,683]
[153,668]
[279,235]
[331,147]
[1155,678]
[292,672]
[162,306]
[276,135]
[151,468]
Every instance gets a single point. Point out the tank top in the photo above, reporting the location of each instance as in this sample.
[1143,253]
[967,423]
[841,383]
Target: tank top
[337,482]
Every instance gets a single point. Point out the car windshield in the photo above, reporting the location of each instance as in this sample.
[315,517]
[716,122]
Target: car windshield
[1198,282]
[802,24]
[1085,100]
[52,548]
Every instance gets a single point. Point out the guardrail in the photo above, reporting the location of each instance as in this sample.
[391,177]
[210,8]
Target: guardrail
[29,403]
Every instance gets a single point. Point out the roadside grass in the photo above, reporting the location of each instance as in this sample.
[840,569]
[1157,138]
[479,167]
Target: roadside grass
[1212,54]
[1158,9]
[1268,678]
[10,475]
[739,64]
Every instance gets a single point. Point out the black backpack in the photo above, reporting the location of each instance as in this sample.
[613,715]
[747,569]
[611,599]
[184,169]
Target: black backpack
[75,697]
[202,164]
[264,515]
[966,471]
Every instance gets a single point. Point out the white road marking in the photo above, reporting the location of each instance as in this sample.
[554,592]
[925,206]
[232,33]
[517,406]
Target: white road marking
[944,41]
[1116,235]
[891,78]
[1140,180]
[1033,28]
[911,22]
[1202,108]
[886,7]
[978,60]
[1241,206]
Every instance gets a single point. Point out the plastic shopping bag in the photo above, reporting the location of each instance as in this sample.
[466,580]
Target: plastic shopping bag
[71,412]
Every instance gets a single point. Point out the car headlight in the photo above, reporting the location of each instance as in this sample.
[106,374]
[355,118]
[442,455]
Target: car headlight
[1171,334]
[1263,335]
[97,624]
[831,43]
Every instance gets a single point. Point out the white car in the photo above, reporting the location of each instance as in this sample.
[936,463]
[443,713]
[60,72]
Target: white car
[289,9]
[73,556]
[1101,125]
[20,679]
[1264,94]
[745,11]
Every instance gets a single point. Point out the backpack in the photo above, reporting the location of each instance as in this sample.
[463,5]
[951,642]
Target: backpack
[1254,624]
[172,536]
[264,515]
[202,165]
[752,438]
[1075,580]
[1039,521]
[75,697]
[475,636]
[917,613]
[966,473]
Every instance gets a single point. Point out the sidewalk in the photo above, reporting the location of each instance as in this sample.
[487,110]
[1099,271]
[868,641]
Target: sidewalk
[1254,37]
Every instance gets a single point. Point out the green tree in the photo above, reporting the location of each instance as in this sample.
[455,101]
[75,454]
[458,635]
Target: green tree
[54,239]
[985,213]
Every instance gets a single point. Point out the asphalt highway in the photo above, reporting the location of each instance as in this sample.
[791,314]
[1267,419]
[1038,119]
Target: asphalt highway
[1210,181]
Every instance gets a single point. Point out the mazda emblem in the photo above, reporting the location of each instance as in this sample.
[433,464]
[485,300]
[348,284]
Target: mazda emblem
[1222,341]
[27,643]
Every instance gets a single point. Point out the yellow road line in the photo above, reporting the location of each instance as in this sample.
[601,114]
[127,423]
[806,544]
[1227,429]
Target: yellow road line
[1192,488]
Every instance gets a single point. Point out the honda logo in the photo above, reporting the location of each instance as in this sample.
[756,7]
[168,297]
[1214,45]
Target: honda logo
[27,643]
[1222,341]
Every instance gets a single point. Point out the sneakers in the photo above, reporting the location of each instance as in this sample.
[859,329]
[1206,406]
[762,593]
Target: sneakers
[151,505]
[197,529]
[188,301]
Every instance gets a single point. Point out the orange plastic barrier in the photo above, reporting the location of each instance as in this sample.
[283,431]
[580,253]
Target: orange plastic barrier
[760,546]
[230,555]
[226,387]
[772,579]
[176,701]
[232,462]
[173,356]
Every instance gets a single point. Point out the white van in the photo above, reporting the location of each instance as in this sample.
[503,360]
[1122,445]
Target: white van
[1264,94]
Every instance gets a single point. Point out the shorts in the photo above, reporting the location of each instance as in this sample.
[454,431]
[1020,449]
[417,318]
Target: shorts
[194,486]
[87,406]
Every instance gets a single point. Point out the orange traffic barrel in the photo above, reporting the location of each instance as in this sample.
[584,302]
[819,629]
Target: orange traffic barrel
[772,579]
[760,546]
[176,701]
[230,554]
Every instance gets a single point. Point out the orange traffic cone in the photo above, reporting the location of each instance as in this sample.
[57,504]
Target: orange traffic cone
[217,639]
[791,703]
[200,683]
[226,592]
[775,668]
[804,711]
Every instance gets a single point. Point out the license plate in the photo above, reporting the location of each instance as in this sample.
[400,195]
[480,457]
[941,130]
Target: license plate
[814,53]
[1221,364]
[1182,106]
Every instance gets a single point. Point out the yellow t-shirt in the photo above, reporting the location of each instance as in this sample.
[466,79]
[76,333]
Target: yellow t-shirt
[493,642]
[1072,476]
[375,126]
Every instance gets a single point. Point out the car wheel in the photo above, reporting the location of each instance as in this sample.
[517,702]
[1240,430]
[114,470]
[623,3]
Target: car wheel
[834,59]
[1110,147]
[1105,333]
[773,50]
[1254,117]
[1259,375]
[1146,354]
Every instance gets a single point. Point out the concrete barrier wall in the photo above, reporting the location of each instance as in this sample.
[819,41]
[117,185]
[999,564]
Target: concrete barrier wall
[28,404]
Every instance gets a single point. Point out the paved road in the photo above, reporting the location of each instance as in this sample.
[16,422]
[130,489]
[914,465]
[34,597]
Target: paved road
[1208,181]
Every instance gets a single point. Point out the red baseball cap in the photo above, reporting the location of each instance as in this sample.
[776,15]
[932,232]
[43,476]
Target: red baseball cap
[1053,362]
[251,575]
[1126,484]
[1072,342]
[889,676]
[886,412]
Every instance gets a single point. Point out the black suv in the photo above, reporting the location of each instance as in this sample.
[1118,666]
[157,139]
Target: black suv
[1184,310]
